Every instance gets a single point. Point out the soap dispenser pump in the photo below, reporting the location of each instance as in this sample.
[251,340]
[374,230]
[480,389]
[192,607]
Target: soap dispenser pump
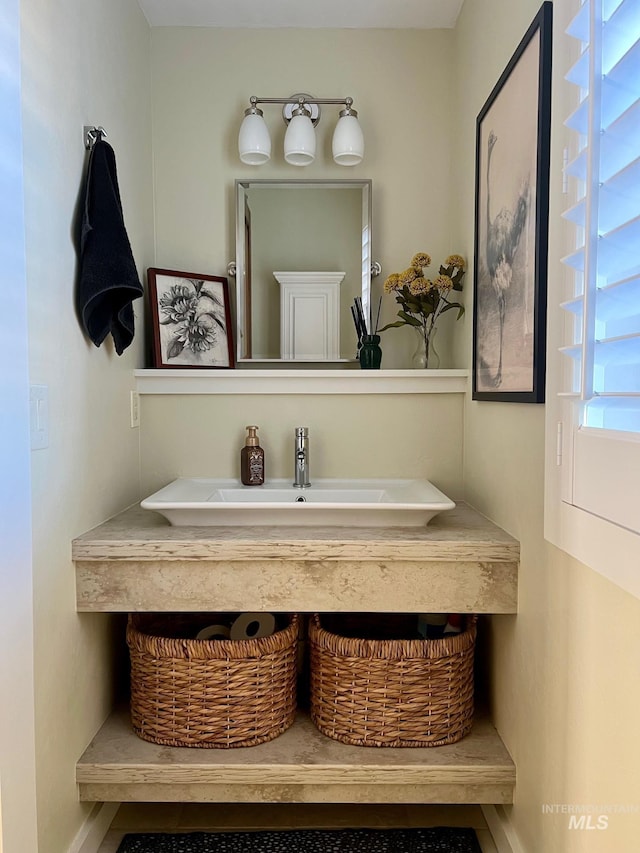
[252,459]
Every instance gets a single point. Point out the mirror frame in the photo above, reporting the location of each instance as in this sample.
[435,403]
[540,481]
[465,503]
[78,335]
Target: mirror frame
[241,186]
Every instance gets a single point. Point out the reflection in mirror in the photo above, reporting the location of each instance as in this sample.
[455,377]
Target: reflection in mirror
[311,227]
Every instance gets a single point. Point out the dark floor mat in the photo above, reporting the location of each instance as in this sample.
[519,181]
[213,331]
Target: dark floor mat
[432,840]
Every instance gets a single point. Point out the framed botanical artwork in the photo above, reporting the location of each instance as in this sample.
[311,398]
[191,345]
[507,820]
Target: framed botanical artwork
[511,224]
[191,319]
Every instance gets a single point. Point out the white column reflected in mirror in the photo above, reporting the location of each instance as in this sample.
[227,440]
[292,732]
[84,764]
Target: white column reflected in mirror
[309,315]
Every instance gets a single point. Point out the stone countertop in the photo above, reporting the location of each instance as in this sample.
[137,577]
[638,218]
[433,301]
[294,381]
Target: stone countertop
[138,534]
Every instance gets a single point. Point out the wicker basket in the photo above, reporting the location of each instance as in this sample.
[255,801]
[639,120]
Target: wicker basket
[209,693]
[392,692]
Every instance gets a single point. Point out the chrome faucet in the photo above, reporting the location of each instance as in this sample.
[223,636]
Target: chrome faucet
[301,480]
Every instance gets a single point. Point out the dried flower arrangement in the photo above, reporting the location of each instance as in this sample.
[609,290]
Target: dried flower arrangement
[422,300]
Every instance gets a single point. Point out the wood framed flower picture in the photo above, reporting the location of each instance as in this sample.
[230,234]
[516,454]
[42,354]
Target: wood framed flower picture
[191,319]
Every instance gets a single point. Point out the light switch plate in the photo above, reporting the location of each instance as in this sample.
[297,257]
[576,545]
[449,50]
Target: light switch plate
[39,416]
[135,409]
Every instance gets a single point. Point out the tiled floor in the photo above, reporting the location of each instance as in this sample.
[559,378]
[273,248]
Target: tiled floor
[176,817]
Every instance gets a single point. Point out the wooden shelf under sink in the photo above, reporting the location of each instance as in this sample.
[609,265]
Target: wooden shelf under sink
[459,563]
[302,765]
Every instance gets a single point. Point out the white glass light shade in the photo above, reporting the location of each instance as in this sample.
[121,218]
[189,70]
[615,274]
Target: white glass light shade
[300,141]
[254,142]
[348,141]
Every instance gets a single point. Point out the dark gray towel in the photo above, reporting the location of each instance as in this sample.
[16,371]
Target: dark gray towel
[108,279]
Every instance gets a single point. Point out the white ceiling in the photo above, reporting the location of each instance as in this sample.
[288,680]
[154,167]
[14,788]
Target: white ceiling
[365,14]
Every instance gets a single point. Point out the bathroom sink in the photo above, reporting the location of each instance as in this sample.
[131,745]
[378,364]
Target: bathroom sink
[350,503]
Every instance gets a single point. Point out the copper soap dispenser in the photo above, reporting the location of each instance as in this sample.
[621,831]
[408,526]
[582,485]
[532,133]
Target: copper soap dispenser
[252,459]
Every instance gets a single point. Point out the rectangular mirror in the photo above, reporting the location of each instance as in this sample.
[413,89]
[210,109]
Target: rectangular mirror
[320,229]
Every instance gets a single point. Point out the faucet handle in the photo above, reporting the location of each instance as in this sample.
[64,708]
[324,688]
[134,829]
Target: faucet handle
[303,431]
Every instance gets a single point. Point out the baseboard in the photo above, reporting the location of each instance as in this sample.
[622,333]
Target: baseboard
[504,835]
[94,829]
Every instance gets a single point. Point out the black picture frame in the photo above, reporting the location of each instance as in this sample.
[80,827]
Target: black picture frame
[191,319]
[511,225]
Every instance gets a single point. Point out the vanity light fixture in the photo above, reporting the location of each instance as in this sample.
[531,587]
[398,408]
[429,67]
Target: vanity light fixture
[301,114]
[254,142]
[300,138]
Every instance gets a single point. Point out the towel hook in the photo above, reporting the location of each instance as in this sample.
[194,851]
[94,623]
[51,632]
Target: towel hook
[92,135]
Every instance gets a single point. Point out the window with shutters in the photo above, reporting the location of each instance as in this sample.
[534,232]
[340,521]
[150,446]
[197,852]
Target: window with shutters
[599,428]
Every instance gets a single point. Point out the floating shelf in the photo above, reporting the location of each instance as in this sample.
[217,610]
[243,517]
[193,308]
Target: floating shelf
[302,381]
[459,563]
[300,766]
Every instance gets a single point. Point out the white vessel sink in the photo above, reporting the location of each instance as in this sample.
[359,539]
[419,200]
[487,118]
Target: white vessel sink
[349,503]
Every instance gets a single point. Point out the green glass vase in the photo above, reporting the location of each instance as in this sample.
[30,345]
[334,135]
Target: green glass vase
[370,353]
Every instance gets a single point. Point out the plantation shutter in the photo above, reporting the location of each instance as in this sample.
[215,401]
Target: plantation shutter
[605,308]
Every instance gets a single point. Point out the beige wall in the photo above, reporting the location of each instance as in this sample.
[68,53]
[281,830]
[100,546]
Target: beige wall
[203,79]
[83,63]
[565,688]
[351,436]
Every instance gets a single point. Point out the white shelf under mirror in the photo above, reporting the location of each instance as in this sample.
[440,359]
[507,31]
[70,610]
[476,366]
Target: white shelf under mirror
[178,381]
